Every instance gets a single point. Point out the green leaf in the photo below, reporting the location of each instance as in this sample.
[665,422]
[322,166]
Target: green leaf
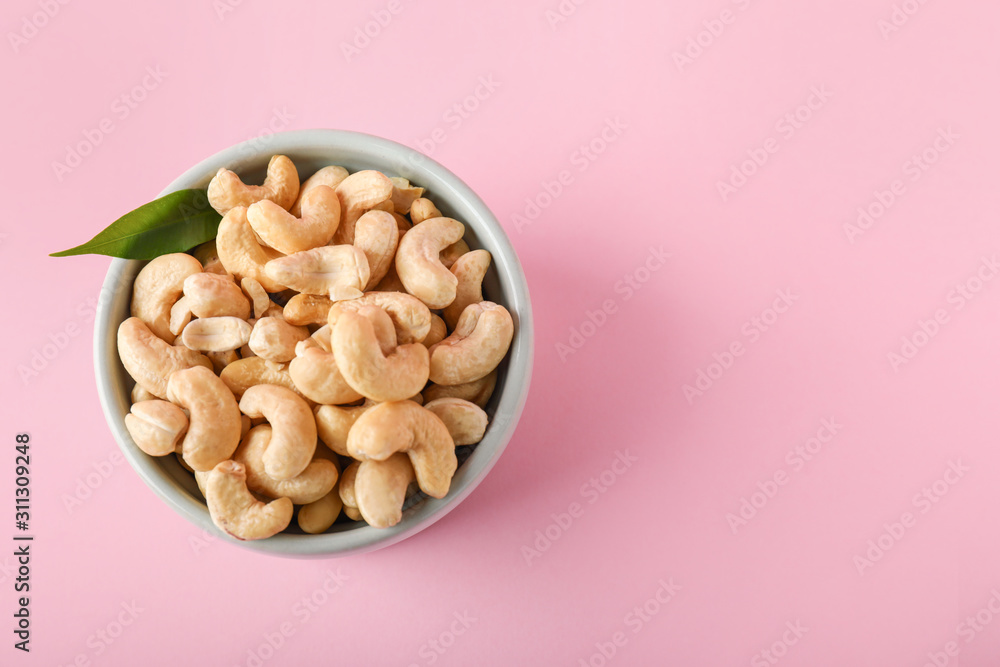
[175,222]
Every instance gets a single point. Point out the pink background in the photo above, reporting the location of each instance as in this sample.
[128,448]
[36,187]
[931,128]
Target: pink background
[683,127]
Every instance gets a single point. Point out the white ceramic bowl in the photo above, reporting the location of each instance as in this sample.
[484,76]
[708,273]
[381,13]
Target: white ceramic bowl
[505,284]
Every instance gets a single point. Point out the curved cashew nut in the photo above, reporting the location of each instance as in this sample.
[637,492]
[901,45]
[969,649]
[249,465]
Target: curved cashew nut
[423,209]
[234,509]
[334,422]
[150,360]
[470,269]
[478,391]
[385,332]
[317,480]
[404,194]
[139,394]
[451,254]
[158,287]
[404,426]
[419,265]
[222,359]
[227,191]
[360,359]
[215,421]
[180,316]
[156,426]
[305,309]
[293,437]
[380,489]
[476,346]
[208,254]
[377,235]
[438,332]
[402,224]
[287,233]
[274,339]
[257,295]
[359,192]
[216,334]
[212,295]
[315,373]
[317,517]
[391,282]
[466,421]
[409,315]
[329,176]
[339,271]
[248,372]
[241,253]
[346,491]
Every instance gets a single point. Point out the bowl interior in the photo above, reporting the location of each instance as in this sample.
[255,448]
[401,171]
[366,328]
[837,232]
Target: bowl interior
[505,284]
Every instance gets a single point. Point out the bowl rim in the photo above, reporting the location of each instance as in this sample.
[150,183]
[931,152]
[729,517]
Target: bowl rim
[359,539]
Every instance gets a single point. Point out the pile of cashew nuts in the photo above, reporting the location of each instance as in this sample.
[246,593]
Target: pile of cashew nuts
[345,311]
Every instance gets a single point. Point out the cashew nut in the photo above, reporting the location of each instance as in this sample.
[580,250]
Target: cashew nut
[438,332]
[318,516]
[212,295]
[478,391]
[377,235]
[274,339]
[402,224]
[339,271]
[293,437]
[409,315]
[334,422]
[257,295]
[329,176]
[206,253]
[466,421]
[158,287]
[249,372]
[476,346]
[346,491]
[222,359]
[306,309]
[235,510]
[404,426]
[227,191]
[391,282]
[359,192]
[419,265]
[385,332]
[241,253]
[404,194]
[360,360]
[451,254]
[149,360]
[287,233]
[423,209]
[180,315]
[315,373]
[380,489]
[215,421]
[317,480]
[470,269]
[156,426]
[139,394]
[216,334]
